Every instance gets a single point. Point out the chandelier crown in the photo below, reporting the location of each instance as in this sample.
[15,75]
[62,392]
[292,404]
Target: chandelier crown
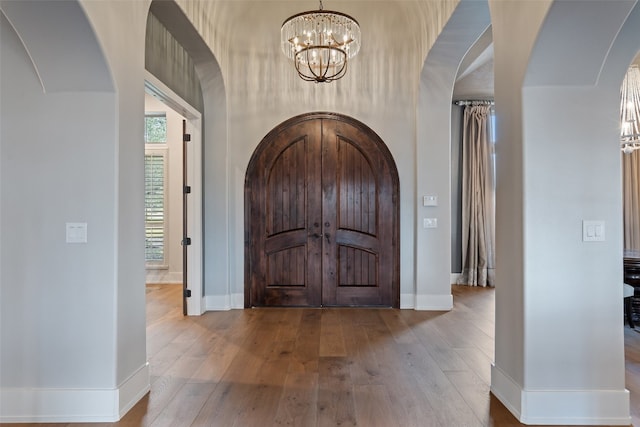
[320,43]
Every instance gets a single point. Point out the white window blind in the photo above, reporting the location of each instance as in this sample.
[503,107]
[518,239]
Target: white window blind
[155,183]
[155,189]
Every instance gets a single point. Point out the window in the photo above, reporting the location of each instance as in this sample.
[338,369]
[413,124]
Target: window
[155,128]
[155,189]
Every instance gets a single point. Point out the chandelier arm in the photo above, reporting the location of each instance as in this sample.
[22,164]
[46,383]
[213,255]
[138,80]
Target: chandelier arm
[301,74]
[320,43]
[326,69]
[342,71]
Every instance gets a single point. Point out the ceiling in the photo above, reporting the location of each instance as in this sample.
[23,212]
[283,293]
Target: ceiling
[410,29]
[244,36]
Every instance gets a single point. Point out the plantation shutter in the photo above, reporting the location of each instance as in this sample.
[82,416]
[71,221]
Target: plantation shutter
[155,183]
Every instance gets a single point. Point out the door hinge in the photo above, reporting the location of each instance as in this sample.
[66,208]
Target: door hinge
[186,241]
[187,293]
[187,189]
[186,137]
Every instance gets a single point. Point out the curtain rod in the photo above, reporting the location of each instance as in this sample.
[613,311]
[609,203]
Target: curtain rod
[474,102]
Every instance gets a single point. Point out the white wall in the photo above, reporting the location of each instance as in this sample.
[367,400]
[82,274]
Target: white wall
[173,247]
[47,181]
[263,90]
[559,343]
[433,153]
[509,170]
[58,319]
[76,345]
[124,50]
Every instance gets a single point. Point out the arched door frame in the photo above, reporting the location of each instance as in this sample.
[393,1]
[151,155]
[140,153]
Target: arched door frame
[383,150]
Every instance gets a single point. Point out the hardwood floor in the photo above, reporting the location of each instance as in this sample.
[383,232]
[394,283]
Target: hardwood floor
[328,367]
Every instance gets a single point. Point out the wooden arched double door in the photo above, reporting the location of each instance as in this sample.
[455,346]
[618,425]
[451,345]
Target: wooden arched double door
[322,216]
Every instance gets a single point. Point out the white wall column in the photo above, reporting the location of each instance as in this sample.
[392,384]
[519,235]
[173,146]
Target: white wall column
[559,344]
[73,317]
[433,153]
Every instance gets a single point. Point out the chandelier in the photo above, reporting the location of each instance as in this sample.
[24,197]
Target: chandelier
[320,42]
[630,111]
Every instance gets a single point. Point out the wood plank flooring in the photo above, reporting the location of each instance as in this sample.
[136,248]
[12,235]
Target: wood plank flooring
[328,367]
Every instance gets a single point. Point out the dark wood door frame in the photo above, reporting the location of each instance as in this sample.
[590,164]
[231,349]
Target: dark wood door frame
[275,138]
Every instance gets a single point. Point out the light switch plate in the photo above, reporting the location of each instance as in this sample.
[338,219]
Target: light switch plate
[76,232]
[430,200]
[430,222]
[593,231]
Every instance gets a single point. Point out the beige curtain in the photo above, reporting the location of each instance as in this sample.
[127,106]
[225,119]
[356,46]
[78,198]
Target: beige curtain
[631,196]
[478,198]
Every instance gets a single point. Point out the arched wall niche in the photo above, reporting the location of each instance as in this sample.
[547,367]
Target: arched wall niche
[78,64]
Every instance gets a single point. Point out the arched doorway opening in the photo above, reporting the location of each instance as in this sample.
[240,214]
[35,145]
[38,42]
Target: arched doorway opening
[198,93]
[322,216]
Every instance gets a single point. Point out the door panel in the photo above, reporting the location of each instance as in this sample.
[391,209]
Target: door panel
[288,189]
[359,265]
[322,217]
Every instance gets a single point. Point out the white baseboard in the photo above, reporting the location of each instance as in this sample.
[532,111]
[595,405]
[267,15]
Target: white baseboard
[28,405]
[224,302]
[454,278]
[163,276]
[195,305]
[576,407]
[237,301]
[53,405]
[434,302]
[407,301]
[561,407]
[133,389]
[506,390]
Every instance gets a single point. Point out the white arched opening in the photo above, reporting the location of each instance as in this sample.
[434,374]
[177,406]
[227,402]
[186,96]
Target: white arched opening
[215,292]
[433,151]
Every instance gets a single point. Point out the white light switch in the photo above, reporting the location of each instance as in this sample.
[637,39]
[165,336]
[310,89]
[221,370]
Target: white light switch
[76,232]
[593,231]
[430,201]
[430,222]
